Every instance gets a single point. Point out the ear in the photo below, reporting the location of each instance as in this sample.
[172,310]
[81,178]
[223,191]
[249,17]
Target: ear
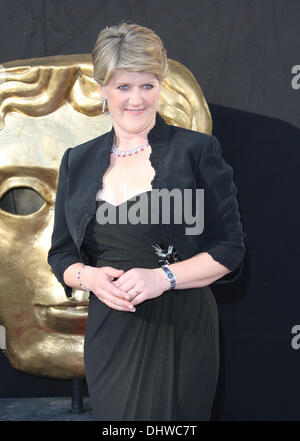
[101,88]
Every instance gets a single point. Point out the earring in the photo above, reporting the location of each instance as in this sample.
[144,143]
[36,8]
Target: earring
[103,105]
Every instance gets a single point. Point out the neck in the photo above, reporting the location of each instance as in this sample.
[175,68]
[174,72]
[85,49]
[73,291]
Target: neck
[124,139]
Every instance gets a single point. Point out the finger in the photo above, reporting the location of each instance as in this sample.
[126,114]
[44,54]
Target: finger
[134,292]
[114,290]
[118,308]
[126,276]
[125,294]
[115,300]
[121,280]
[140,298]
[129,287]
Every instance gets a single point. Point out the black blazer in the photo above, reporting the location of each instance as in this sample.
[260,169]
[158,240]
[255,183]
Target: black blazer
[181,158]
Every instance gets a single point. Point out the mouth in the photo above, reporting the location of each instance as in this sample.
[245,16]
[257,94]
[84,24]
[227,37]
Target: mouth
[69,317]
[135,112]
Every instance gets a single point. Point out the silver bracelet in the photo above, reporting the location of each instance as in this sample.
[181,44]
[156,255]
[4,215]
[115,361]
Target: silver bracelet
[78,277]
[169,276]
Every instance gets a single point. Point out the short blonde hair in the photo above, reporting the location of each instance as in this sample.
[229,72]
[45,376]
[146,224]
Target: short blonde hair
[130,47]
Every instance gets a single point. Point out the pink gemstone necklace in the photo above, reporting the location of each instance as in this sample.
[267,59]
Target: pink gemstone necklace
[128,152]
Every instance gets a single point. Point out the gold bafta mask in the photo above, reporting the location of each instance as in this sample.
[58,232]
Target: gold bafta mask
[47,105]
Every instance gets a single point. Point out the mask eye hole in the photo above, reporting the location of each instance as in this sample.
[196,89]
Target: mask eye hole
[21,201]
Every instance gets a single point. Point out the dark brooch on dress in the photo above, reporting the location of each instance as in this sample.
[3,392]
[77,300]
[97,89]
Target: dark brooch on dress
[167,255]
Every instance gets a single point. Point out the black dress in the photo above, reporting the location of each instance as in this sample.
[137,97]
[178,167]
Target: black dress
[161,362]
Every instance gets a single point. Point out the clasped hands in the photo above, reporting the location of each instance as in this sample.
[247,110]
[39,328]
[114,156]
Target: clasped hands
[121,294]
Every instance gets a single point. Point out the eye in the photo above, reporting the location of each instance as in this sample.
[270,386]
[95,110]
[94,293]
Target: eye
[123,87]
[148,86]
[25,195]
[21,201]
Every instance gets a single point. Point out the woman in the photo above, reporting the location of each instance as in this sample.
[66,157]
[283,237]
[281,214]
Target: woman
[151,345]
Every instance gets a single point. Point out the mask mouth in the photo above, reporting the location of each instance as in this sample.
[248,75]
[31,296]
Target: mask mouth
[68,317]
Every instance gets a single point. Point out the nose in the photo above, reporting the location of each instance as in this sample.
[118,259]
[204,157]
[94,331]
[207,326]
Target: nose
[135,98]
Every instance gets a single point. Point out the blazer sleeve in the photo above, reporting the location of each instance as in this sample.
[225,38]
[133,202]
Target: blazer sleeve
[223,236]
[63,251]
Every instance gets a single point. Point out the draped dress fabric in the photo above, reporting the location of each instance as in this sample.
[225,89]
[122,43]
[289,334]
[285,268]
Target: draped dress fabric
[161,362]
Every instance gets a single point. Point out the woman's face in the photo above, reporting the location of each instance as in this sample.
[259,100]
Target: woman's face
[132,99]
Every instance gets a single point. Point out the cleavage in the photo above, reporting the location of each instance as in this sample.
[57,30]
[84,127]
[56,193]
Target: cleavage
[127,177]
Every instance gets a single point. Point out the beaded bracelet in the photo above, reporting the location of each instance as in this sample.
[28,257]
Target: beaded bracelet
[78,277]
